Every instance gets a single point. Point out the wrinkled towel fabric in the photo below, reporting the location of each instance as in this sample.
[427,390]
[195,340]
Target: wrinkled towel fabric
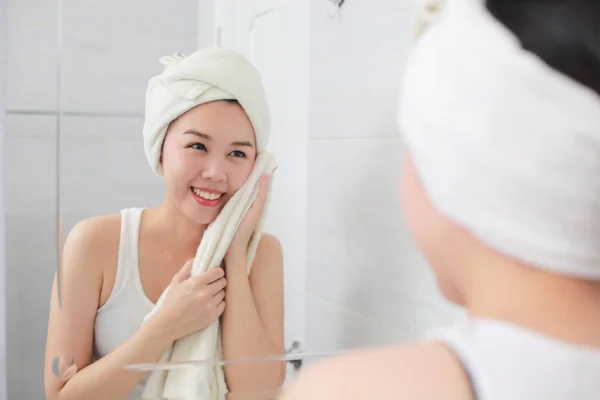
[504,145]
[204,76]
[428,12]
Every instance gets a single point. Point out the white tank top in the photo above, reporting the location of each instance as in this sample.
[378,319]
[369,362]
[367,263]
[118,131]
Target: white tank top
[505,361]
[124,311]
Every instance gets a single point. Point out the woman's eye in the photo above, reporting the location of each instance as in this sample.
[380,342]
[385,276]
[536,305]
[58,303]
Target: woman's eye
[237,153]
[198,146]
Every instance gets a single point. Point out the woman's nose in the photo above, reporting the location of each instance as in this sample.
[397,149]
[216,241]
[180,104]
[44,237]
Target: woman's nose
[214,170]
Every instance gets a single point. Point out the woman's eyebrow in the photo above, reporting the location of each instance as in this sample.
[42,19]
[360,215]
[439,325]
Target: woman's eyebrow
[207,137]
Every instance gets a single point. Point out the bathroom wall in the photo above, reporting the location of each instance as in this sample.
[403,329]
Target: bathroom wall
[2,195]
[366,283]
[109,50]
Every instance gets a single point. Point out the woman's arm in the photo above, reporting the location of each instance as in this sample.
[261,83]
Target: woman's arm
[88,248]
[252,323]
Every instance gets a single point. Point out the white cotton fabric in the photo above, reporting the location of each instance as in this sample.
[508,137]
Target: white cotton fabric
[428,12]
[503,144]
[504,361]
[204,76]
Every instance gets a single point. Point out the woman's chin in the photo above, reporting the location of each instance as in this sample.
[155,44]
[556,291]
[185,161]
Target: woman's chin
[201,215]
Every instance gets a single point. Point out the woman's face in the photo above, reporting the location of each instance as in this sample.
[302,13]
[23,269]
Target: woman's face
[207,156]
[440,240]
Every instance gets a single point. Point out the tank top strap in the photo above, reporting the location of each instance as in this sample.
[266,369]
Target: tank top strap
[127,264]
[453,338]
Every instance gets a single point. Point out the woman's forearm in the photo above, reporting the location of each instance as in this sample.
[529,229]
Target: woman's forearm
[107,379]
[243,337]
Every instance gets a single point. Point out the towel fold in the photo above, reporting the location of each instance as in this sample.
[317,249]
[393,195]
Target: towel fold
[428,12]
[204,76]
[207,75]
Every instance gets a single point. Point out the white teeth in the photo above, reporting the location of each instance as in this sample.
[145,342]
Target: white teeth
[206,195]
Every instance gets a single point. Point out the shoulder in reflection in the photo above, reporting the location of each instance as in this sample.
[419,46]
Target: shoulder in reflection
[426,370]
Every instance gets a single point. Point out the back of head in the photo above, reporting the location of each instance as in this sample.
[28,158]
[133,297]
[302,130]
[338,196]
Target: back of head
[500,109]
[563,33]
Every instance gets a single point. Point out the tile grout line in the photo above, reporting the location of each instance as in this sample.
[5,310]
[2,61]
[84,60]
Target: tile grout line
[75,114]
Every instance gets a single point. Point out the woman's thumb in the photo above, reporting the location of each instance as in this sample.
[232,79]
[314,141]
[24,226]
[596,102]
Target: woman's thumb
[184,273]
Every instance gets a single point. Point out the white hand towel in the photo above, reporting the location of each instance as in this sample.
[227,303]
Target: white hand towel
[207,75]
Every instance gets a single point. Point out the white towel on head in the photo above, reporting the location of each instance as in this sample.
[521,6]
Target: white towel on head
[428,12]
[503,144]
[204,76]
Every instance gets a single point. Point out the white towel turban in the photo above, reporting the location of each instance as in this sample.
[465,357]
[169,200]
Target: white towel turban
[204,76]
[504,145]
[207,75]
[428,13]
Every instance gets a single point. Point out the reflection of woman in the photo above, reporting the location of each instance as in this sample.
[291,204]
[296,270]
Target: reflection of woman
[115,267]
[500,109]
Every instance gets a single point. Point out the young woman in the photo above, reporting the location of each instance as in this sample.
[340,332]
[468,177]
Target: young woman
[115,267]
[500,108]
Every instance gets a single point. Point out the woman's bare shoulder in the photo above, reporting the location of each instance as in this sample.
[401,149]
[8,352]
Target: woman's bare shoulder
[269,242]
[269,253]
[421,370]
[92,241]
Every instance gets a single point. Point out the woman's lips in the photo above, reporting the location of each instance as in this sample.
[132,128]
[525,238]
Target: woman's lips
[207,197]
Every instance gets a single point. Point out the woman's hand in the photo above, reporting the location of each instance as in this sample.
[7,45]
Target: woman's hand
[239,245]
[192,302]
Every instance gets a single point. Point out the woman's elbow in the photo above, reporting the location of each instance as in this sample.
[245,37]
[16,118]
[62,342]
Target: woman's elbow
[52,391]
[283,373]
[54,386]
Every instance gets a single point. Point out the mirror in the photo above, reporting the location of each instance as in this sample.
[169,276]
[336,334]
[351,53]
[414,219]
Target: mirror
[77,73]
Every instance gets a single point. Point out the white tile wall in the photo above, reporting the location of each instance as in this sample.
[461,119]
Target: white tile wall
[3,269]
[367,282]
[30,194]
[86,15]
[112,48]
[156,17]
[332,327]
[83,162]
[139,187]
[356,63]
[85,71]
[109,50]
[32,53]
[134,59]
[32,68]
[31,165]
